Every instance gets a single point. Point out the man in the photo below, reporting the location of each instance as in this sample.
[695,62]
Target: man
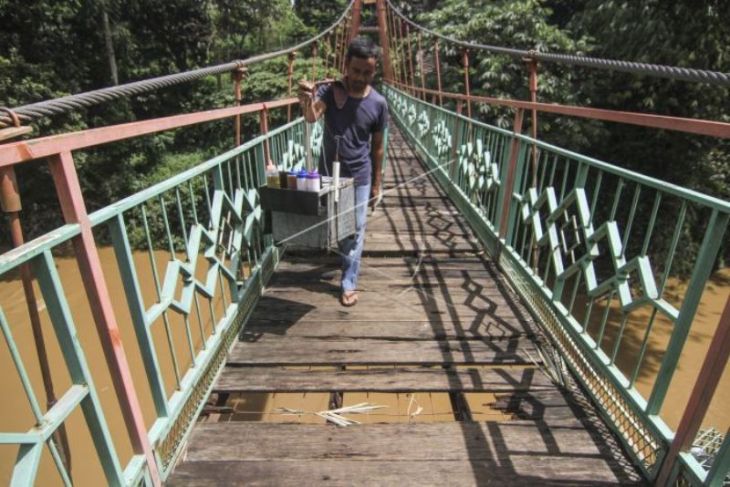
[355,119]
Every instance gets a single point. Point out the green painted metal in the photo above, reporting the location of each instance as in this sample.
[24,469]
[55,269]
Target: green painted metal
[557,246]
[606,250]
[204,227]
[720,469]
[26,465]
[53,294]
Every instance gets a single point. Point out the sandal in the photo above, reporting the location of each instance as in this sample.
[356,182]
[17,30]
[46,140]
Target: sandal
[348,298]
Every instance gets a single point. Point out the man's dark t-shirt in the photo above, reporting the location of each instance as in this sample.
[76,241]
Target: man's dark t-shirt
[354,123]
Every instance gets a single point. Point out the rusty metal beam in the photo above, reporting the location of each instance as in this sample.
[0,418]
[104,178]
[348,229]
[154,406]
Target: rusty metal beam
[355,22]
[704,390]
[74,211]
[689,125]
[511,172]
[238,75]
[467,85]
[16,152]
[384,39]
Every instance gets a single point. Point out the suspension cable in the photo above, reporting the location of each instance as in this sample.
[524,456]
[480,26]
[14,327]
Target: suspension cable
[657,70]
[27,113]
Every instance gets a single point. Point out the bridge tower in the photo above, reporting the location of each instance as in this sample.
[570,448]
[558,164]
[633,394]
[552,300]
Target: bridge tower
[382,28]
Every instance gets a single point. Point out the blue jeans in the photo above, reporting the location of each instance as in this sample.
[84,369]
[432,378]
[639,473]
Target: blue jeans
[351,247]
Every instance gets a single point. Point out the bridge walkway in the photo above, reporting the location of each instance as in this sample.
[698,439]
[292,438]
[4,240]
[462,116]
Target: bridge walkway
[437,337]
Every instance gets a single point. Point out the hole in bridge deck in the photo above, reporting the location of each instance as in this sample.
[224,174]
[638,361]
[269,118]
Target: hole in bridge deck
[501,404]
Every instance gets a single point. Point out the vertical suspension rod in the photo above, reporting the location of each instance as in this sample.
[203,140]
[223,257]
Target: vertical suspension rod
[290,74]
[423,76]
[393,36]
[437,62]
[402,57]
[238,76]
[11,206]
[410,59]
[467,88]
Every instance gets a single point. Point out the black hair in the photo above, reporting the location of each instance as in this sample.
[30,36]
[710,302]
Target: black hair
[363,47]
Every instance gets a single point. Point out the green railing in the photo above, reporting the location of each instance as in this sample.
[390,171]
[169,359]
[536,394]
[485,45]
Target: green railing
[199,239]
[596,251]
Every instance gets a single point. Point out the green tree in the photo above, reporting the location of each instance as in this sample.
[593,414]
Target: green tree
[520,24]
[319,15]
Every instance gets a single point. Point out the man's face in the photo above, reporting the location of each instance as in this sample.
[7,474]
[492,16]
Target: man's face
[360,72]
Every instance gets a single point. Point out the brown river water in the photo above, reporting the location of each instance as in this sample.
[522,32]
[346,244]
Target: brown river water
[16,414]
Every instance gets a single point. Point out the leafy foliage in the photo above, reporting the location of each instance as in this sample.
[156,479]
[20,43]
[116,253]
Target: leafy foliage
[49,49]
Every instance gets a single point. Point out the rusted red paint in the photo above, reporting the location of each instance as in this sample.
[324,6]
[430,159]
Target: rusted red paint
[690,125]
[437,62]
[315,53]
[237,77]
[711,372]
[356,16]
[264,124]
[412,73]
[423,61]
[511,170]
[16,152]
[289,75]
[467,85]
[383,36]
[74,211]
[532,66]
[9,192]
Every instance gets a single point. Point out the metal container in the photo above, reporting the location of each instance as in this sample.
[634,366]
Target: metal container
[313,220]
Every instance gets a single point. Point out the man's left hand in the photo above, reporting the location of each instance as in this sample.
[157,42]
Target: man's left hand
[374,195]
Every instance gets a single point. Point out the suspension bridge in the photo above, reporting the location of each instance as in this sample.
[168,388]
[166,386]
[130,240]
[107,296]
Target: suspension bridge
[518,323]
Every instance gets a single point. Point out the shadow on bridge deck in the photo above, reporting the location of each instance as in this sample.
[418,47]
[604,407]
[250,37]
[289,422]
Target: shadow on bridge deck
[435,321]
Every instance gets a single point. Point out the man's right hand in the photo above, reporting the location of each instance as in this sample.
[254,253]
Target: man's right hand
[305,91]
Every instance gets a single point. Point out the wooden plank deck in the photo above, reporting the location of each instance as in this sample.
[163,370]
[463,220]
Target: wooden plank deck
[434,317]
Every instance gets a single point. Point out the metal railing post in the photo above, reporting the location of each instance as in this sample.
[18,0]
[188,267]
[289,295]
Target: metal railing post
[437,62]
[74,211]
[315,53]
[11,205]
[467,87]
[457,139]
[532,66]
[703,267]
[290,73]
[420,68]
[412,80]
[264,125]
[702,394]
[238,76]
[508,181]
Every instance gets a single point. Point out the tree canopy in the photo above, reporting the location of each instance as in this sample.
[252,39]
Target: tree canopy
[50,49]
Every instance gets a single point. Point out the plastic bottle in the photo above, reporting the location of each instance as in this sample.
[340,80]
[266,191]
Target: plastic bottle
[272,177]
[291,180]
[314,183]
[302,180]
[283,180]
